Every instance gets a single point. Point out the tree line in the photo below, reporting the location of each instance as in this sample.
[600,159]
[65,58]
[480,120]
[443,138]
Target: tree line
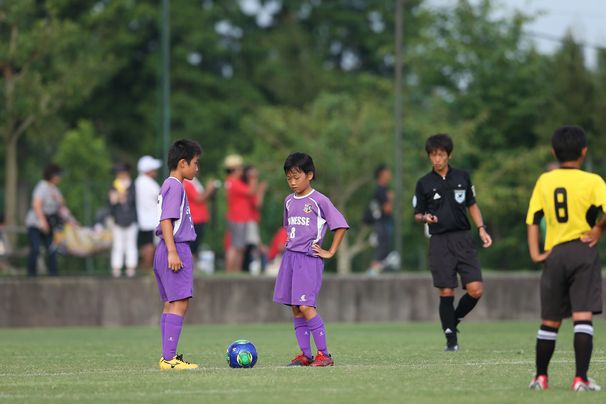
[80,86]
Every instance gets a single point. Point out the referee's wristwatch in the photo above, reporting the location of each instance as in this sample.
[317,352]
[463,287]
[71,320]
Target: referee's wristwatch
[482,226]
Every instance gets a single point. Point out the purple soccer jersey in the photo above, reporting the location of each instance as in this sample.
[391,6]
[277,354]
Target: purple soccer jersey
[306,219]
[173,204]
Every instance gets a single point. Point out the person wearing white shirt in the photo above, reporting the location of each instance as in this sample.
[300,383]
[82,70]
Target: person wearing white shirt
[147,191]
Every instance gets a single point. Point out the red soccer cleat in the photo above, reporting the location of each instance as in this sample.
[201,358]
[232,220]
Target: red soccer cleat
[539,383]
[300,360]
[322,360]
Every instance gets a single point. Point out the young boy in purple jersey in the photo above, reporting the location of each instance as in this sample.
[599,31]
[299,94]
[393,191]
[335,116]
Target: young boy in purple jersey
[307,214]
[173,260]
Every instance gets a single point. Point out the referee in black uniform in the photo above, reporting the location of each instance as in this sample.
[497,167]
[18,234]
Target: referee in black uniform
[441,200]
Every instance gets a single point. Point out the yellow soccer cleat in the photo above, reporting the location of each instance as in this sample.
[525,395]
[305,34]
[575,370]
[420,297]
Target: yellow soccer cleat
[176,363]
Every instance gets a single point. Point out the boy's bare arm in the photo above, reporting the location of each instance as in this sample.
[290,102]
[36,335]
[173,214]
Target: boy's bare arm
[174,261]
[533,245]
[336,242]
[593,236]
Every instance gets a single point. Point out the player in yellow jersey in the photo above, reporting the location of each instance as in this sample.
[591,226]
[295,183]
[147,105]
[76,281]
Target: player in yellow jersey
[571,281]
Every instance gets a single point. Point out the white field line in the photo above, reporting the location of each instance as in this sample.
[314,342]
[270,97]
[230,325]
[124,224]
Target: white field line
[225,369]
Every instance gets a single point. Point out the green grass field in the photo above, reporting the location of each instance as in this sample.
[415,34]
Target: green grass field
[375,363]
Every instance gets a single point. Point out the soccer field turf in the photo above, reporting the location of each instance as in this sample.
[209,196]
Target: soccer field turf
[383,362]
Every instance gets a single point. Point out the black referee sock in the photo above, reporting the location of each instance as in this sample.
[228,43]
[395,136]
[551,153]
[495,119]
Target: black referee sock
[466,304]
[583,345]
[546,340]
[447,315]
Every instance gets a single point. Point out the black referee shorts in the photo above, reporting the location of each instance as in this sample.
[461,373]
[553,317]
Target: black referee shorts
[452,253]
[571,281]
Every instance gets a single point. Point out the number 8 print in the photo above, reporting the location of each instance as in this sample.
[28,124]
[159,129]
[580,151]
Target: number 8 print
[560,199]
[292,233]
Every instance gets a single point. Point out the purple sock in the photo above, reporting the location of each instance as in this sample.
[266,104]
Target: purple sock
[316,326]
[172,331]
[303,336]
[162,326]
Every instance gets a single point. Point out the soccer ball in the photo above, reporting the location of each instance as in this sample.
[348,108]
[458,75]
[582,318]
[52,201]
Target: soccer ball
[241,354]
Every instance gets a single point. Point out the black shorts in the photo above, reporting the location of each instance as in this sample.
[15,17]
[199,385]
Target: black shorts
[571,281]
[145,237]
[452,253]
[384,233]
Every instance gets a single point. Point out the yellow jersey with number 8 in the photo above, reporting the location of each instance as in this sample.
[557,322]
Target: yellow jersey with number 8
[570,200]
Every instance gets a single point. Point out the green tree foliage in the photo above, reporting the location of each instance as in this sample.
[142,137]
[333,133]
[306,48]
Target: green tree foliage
[83,155]
[571,97]
[487,67]
[49,61]
[599,140]
[313,75]
[345,136]
[489,73]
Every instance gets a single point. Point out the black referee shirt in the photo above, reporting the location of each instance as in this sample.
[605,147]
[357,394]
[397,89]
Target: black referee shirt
[445,197]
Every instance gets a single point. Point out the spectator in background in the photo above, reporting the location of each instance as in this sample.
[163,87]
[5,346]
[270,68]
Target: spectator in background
[123,210]
[198,196]
[254,247]
[238,211]
[48,212]
[380,211]
[147,191]
[275,251]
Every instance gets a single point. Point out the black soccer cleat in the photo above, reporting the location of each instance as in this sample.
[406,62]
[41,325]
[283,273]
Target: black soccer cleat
[451,348]
[452,345]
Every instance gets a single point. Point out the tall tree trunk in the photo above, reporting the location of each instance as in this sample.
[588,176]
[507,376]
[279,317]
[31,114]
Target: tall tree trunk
[10,140]
[10,184]
[347,251]
[344,257]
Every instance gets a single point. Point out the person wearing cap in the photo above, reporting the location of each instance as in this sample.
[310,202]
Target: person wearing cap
[238,211]
[147,191]
[123,210]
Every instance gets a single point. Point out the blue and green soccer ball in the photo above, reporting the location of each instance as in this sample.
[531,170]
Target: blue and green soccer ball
[241,354]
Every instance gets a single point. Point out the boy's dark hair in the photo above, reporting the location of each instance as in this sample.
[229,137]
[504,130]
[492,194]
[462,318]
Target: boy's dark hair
[379,170]
[300,161]
[50,171]
[441,141]
[568,142]
[183,149]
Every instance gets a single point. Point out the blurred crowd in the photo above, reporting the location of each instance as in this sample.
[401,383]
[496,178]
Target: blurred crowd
[126,227]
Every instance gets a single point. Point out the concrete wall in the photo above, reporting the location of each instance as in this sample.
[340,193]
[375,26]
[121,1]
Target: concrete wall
[104,301]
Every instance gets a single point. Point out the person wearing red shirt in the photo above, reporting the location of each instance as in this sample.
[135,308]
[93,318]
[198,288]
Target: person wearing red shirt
[198,196]
[254,247]
[238,211]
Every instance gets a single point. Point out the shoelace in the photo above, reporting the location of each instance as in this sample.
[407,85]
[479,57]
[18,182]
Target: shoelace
[180,358]
[320,356]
